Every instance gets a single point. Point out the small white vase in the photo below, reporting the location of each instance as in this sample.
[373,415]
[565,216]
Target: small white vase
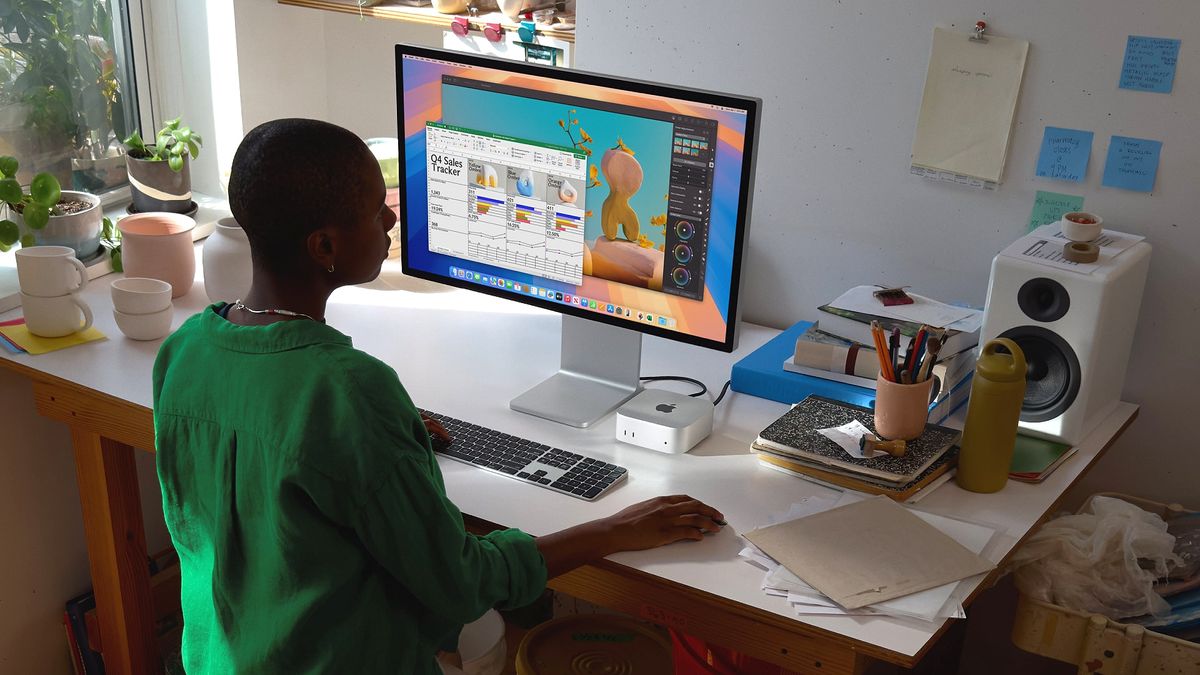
[226,259]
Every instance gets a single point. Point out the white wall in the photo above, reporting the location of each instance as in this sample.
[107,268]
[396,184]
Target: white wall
[835,206]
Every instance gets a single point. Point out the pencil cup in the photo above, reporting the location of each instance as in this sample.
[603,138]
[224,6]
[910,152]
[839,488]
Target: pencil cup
[901,409]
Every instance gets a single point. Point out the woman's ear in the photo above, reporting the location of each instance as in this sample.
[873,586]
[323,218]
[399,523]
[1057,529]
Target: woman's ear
[322,247]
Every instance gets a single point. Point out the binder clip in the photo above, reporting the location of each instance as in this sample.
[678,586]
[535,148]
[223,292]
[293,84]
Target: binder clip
[494,32]
[527,30]
[460,26]
[980,27]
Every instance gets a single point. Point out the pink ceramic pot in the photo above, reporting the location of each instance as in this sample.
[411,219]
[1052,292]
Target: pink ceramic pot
[159,246]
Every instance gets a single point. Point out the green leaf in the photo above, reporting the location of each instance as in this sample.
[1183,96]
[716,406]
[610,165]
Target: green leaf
[36,216]
[135,142]
[193,149]
[176,163]
[10,191]
[177,149]
[28,240]
[115,255]
[196,137]
[172,124]
[45,189]
[5,248]
[108,231]
[10,232]
[8,166]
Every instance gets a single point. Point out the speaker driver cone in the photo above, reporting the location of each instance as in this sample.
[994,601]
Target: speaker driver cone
[1052,373]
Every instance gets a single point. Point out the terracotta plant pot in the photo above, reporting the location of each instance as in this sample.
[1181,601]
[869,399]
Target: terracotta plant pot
[155,187]
[159,246]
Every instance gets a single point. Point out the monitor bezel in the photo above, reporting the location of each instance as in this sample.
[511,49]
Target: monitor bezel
[750,105]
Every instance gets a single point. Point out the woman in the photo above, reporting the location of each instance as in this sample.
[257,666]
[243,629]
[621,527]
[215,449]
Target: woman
[299,487]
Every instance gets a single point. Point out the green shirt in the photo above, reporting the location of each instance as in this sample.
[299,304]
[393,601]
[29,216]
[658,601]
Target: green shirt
[312,525]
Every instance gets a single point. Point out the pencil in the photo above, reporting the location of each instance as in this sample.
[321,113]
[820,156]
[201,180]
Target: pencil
[880,349]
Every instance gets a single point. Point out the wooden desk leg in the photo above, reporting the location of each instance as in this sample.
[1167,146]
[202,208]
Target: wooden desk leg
[116,542]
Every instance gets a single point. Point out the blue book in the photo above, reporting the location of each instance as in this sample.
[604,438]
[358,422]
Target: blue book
[761,374]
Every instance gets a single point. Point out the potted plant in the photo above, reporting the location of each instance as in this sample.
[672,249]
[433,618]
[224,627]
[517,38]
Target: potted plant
[159,175]
[47,215]
[61,105]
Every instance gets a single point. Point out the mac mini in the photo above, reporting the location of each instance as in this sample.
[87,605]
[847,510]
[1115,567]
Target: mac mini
[665,421]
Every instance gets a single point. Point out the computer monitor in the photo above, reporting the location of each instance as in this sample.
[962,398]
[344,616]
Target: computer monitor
[623,205]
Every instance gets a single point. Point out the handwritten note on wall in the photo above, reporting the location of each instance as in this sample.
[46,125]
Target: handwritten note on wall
[1149,64]
[1049,207]
[966,116]
[1065,154]
[1132,163]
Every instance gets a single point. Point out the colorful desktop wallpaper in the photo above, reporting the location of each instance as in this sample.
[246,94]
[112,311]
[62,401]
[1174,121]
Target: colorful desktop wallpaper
[629,171]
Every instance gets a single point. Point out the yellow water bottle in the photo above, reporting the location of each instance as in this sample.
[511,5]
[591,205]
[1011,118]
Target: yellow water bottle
[990,433]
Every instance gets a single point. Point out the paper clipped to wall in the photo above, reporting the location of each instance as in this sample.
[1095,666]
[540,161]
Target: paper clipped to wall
[966,117]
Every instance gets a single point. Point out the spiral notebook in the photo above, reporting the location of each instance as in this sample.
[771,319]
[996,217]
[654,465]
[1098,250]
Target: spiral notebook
[795,434]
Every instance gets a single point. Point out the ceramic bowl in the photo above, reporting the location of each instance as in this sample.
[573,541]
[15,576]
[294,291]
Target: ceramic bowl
[140,295]
[1076,231]
[145,326]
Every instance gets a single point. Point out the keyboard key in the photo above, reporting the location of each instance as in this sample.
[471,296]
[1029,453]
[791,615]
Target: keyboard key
[592,492]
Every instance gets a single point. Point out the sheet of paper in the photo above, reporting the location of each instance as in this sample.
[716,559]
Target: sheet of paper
[1049,207]
[923,309]
[847,437]
[1064,154]
[868,552]
[1132,163]
[967,108]
[1044,246]
[925,605]
[1149,64]
[33,344]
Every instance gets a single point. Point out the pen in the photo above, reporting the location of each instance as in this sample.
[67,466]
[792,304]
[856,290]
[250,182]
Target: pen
[922,335]
[895,350]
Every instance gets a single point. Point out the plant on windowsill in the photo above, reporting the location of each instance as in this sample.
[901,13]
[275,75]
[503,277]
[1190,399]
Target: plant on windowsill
[159,175]
[61,104]
[49,215]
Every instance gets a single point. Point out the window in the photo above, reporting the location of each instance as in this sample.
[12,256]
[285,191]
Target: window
[67,96]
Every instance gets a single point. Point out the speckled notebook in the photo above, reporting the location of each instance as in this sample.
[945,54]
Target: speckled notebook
[796,434]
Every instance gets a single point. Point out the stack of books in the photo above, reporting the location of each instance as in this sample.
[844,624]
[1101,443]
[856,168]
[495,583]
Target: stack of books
[839,347]
[794,445]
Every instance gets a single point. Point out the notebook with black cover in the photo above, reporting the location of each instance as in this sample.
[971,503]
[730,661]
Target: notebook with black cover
[796,434]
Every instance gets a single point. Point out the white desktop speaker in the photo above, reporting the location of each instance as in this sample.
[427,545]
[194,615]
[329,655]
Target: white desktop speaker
[1076,331]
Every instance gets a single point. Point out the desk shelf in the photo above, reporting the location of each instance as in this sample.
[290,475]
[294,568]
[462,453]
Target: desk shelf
[427,16]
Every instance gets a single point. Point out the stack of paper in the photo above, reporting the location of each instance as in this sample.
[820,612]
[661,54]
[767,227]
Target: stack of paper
[916,578]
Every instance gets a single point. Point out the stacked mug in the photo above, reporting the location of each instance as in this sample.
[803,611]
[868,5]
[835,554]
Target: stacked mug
[51,278]
[142,307]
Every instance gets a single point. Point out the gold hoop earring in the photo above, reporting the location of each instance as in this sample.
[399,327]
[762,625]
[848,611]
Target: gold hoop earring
[330,269]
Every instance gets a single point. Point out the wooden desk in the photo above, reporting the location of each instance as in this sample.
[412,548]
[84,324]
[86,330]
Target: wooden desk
[466,355]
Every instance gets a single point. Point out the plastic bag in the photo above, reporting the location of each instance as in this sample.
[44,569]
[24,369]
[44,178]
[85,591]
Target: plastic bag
[1105,560]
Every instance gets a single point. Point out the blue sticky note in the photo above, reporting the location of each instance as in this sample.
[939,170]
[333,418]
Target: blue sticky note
[1150,64]
[1064,154]
[1132,163]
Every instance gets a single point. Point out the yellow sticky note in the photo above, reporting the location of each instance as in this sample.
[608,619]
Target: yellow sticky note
[40,345]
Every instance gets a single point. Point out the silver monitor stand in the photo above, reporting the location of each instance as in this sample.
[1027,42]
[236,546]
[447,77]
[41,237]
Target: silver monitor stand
[599,370]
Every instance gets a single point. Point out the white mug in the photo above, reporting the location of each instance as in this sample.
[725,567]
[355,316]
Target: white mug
[57,316]
[50,271]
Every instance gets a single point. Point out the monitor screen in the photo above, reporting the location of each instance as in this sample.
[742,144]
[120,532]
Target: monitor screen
[615,200]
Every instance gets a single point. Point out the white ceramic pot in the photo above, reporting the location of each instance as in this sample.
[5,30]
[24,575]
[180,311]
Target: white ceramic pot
[226,259]
[1082,226]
